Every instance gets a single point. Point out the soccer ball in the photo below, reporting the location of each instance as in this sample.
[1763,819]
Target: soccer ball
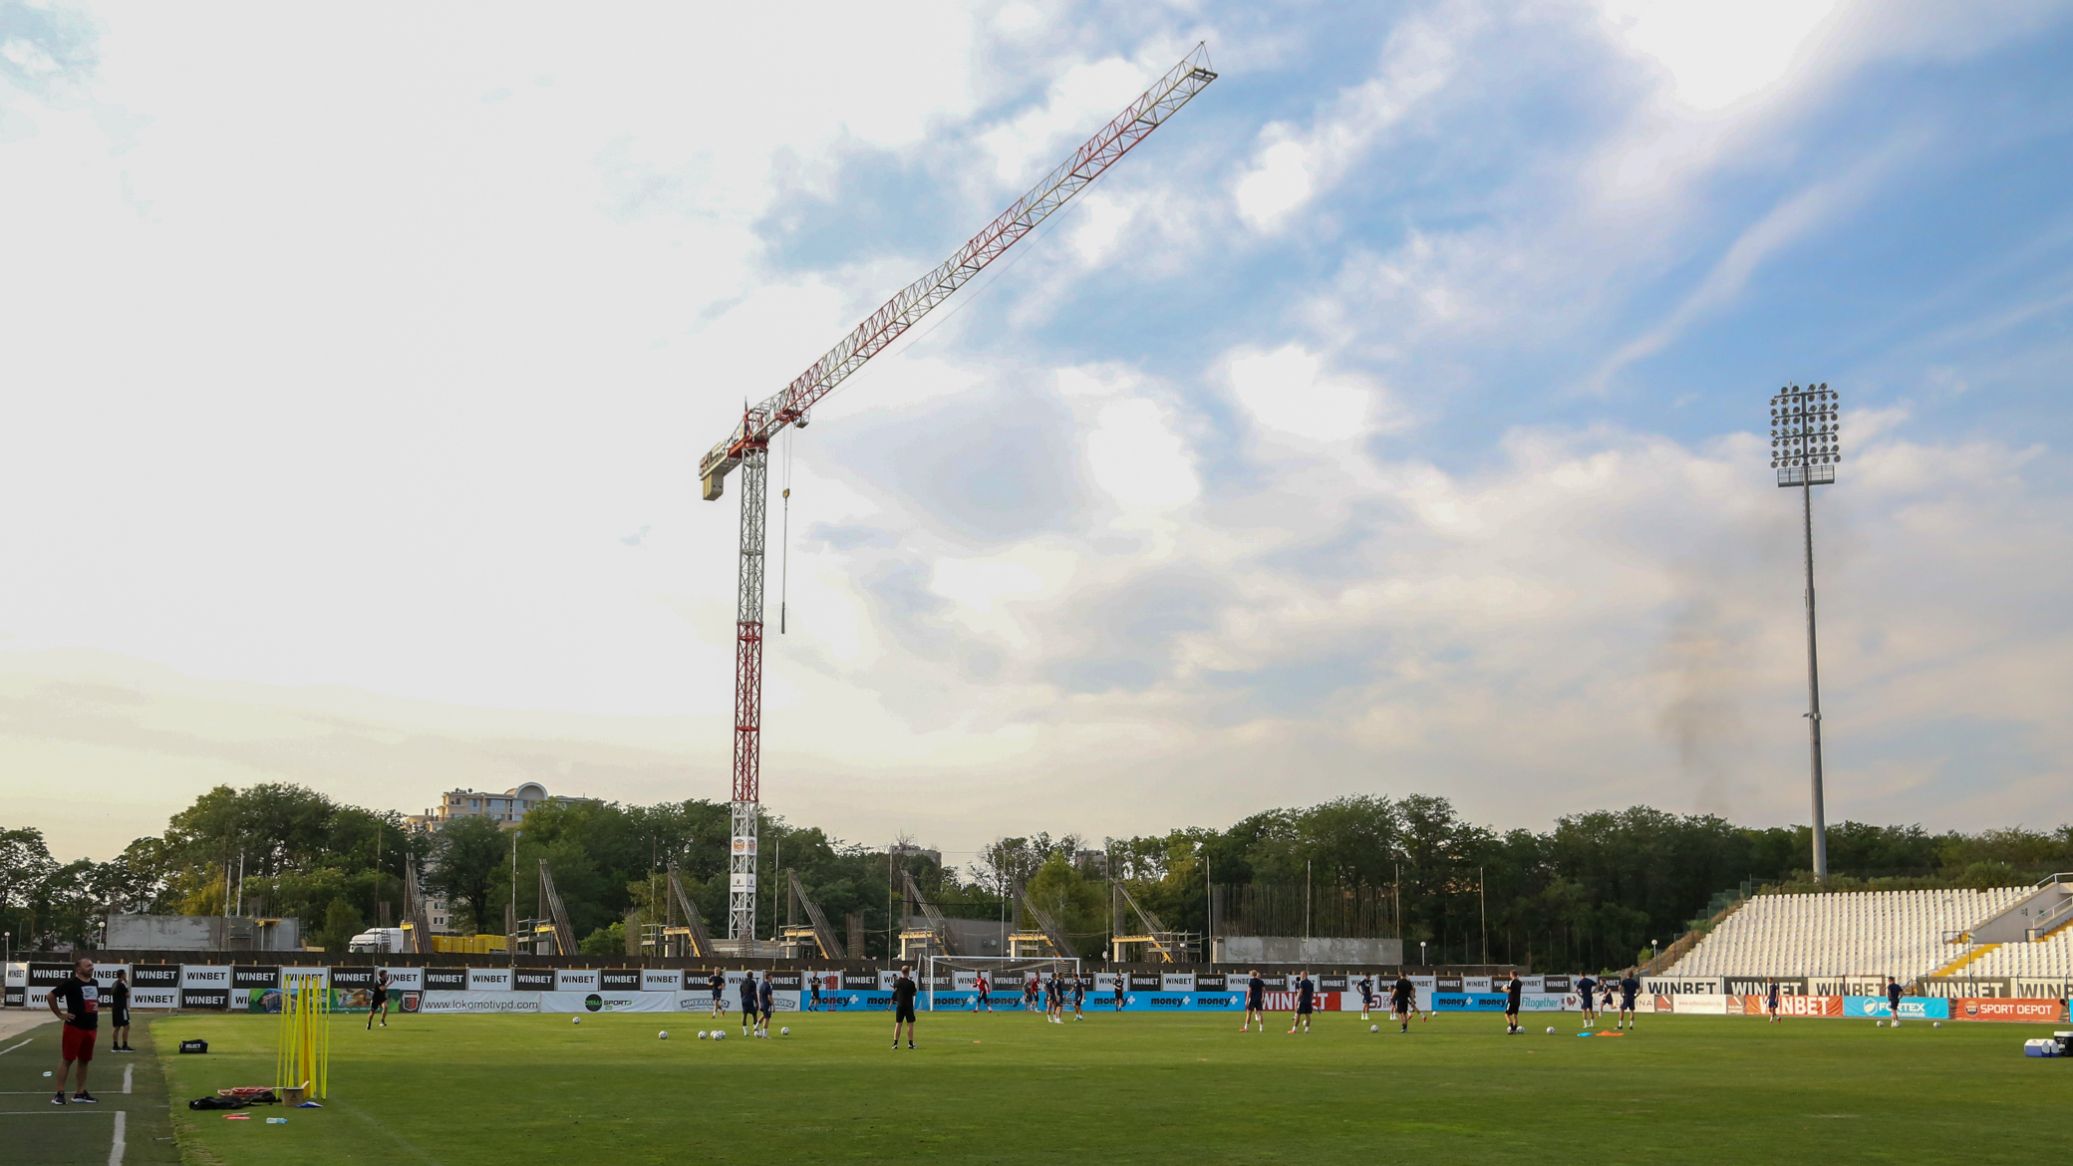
[703,1034]
[1878,1024]
[575,1020]
[785,1031]
[719,1034]
[1936,1024]
[663,1035]
[1551,1030]
[1374,1028]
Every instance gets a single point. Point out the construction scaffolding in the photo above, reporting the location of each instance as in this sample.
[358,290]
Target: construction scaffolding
[814,936]
[682,934]
[1036,934]
[550,933]
[933,937]
[1137,935]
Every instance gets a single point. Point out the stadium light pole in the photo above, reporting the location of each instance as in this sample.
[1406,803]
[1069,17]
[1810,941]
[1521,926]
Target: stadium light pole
[1805,449]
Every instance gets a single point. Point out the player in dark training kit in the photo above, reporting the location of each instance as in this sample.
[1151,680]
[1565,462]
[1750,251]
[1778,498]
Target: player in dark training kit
[378,1001]
[1367,995]
[1512,990]
[1629,989]
[1079,997]
[1255,1002]
[903,1007]
[119,1037]
[766,1005]
[718,983]
[76,1002]
[751,1007]
[1587,989]
[1893,995]
[1306,999]
[1771,1002]
[1119,983]
[1403,1000]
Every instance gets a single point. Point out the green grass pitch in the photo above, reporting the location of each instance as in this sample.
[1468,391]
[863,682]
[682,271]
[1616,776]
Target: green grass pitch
[1136,1088]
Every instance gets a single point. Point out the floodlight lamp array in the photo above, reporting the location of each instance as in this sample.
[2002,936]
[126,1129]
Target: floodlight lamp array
[1805,429]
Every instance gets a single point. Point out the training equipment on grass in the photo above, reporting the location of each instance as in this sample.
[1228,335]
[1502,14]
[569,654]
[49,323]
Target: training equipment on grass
[785,1031]
[1374,1028]
[1551,1030]
[703,1034]
[575,1020]
[302,1038]
[663,1035]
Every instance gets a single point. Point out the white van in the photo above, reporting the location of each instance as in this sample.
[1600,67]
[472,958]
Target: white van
[379,939]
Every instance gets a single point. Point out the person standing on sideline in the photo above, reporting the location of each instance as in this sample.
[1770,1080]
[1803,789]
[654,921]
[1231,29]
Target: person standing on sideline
[77,1002]
[119,1037]
[1255,1002]
[1512,990]
[1403,1000]
[378,1003]
[1587,988]
[750,1006]
[903,1007]
[1306,999]
[1629,989]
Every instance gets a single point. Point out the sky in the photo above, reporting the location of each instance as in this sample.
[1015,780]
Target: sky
[1392,421]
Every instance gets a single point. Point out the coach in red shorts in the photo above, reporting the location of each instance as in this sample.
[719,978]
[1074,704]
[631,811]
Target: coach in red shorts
[77,1002]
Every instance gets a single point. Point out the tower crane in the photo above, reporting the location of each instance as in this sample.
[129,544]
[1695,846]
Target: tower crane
[747,448]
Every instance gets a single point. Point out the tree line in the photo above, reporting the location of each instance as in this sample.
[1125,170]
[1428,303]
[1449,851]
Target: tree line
[1594,890]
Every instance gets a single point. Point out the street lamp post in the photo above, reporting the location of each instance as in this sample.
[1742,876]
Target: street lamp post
[1805,449]
[1421,954]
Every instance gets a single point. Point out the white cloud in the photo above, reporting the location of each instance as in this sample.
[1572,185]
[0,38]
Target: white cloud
[1291,392]
[1293,166]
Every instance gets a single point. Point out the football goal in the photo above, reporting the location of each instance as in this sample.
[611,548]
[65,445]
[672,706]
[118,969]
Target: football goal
[956,975]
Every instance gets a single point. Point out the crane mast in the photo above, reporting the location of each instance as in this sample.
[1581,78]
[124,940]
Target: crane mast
[747,448]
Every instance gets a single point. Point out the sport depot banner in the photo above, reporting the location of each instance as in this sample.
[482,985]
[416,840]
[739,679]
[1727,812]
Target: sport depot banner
[2032,1011]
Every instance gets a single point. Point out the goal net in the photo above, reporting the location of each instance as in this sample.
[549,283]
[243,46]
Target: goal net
[952,981]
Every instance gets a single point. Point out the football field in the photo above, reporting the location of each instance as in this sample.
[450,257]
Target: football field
[1137,1088]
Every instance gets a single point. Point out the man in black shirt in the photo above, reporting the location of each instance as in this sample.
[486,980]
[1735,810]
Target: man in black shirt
[1893,995]
[1513,988]
[378,1001]
[1306,999]
[903,1007]
[1403,1000]
[1367,995]
[1255,1002]
[751,1009]
[77,1002]
[718,984]
[1120,981]
[1629,989]
[119,1039]
[1587,988]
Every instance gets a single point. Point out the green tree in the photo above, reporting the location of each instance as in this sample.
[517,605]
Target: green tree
[468,859]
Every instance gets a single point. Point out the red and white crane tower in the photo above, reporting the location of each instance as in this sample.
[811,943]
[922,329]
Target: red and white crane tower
[748,447]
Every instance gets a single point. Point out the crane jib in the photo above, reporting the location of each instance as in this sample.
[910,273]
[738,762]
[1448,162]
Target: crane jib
[762,422]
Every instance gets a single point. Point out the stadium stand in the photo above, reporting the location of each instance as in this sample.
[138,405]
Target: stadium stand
[2049,958]
[1858,933]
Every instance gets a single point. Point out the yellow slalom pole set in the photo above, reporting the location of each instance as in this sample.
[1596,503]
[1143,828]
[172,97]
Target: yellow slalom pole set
[302,1039]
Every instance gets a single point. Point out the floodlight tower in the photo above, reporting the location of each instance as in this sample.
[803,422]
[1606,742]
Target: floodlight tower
[1804,451]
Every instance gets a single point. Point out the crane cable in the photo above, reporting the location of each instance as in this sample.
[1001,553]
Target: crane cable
[784,545]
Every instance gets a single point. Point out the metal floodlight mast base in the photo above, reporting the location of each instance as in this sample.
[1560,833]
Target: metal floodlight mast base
[1806,447]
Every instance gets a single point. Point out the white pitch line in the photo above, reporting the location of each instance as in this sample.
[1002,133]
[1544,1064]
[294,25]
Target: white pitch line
[126,1071]
[115,1151]
[11,1048]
